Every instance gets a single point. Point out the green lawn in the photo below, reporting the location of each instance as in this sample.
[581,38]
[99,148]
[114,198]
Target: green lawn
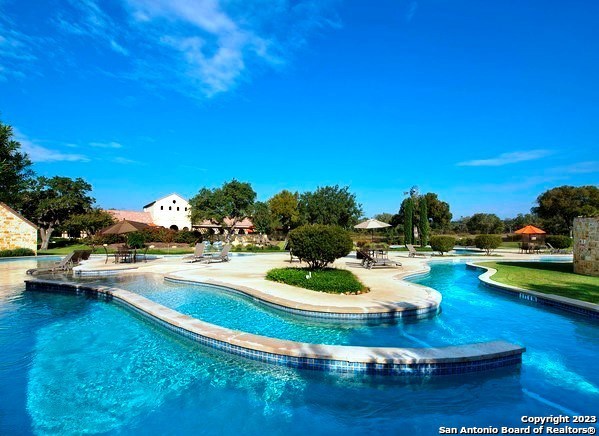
[547,277]
[330,280]
[509,244]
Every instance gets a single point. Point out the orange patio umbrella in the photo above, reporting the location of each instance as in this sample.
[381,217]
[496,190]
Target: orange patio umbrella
[530,232]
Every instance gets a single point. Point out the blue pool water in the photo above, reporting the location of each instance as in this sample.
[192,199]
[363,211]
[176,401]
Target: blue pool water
[70,365]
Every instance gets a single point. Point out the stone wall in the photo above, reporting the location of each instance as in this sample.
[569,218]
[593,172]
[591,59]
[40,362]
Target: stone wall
[586,246]
[15,231]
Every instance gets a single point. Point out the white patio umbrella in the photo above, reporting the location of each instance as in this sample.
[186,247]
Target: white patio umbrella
[372,224]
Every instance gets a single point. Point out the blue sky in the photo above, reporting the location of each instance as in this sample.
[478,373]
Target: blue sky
[487,103]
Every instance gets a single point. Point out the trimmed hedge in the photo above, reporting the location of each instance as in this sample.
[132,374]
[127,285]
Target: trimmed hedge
[487,242]
[330,280]
[443,244]
[319,244]
[559,241]
[16,252]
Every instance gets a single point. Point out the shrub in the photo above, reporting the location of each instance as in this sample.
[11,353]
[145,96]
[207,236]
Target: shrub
[186,237]
[158,234]
[319,244]
[443,244]
[487,242]
[465,242]
[559,241]
[329,280]
[136,240]
[17,252]
[273,248]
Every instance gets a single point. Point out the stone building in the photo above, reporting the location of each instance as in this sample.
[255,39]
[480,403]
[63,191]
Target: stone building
[16,231]
[586,246]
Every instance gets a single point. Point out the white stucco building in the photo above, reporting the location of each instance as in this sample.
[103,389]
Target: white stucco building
[172,212]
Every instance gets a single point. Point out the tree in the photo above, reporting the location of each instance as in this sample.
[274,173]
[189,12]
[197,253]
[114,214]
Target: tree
[384,217]
[438,211]
[53,201]
[89,222]
[487,242]
[442,244]
[408,212]
[331,205]
[319,244]
[16,175]
[423,227]
[226,205]
[262,218]
[484,223]
[559,206]
[521,220]
[285,210]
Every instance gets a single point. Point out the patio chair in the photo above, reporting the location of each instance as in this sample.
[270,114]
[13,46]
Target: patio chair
[552,249]
[122,255]
[368,261]
[198,253]
[412,251]
[223,256]
[64,264]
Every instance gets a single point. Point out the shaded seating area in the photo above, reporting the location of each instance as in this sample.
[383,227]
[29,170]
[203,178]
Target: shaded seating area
[533,239]
[65,264]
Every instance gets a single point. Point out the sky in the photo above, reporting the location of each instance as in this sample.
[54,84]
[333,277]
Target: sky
[486,103]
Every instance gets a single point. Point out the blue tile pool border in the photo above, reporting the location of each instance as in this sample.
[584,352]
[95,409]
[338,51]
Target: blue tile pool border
[583,308]
[391,361]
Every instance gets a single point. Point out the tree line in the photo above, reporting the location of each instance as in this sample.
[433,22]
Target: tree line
[58,203]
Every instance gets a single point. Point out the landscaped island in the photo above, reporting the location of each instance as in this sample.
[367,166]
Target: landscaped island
[331,280]
[547,277]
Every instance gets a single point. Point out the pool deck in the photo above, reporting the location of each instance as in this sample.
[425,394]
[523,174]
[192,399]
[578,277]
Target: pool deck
[389,296]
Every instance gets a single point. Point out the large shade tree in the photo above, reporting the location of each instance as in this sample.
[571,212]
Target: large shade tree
[438,212]
[52,201]
[16,175]
[227,205]
[331,205]
[262,218]
[487,223]
[285,210]
[90,222]
[559,206]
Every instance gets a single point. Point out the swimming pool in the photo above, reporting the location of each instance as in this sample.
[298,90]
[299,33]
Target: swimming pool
[69,363]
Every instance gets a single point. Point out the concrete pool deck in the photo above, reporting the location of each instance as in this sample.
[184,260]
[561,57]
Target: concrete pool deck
[389,296]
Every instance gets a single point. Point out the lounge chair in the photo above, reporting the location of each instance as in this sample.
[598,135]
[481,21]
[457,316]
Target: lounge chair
[412,251]
[198,253]
[64,264]
[368,261]
[223,256]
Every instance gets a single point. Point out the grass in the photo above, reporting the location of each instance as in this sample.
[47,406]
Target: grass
[330,280]
[548,278]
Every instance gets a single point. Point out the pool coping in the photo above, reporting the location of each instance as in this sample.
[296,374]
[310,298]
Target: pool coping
[579,307]
[448,360]
[401,309]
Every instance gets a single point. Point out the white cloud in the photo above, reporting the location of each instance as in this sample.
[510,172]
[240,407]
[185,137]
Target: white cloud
[110,144]
[587,167]
[507,158]
[38,153]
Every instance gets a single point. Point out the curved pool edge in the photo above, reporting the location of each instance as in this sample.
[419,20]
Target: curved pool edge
[450,360]
[571,305]
[398,310]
